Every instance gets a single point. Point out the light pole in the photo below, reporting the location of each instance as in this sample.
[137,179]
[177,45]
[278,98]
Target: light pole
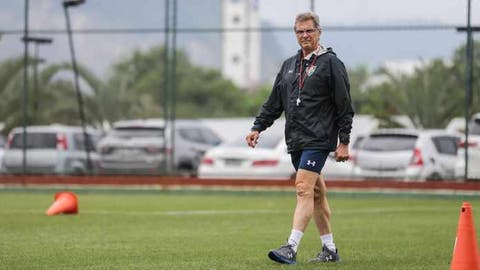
[170,83]
[25,90]
[67,4]
[468,78]
[166,85]
[37,41]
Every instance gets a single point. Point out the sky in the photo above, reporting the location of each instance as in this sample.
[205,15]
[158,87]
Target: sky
[98,52]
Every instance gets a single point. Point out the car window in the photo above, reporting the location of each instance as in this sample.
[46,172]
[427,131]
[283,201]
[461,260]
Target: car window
[446,145]
[80,142]
[474,127]
[267,140]
[210,137]
[389,142]
[129,132]
[358,141]
[191,134]
[199,135]
[2,141]
[35,140]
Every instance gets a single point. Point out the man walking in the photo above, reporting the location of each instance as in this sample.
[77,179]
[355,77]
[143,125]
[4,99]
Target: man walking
[313,90]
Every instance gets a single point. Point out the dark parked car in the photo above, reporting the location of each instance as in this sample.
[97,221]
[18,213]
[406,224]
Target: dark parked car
[143,146]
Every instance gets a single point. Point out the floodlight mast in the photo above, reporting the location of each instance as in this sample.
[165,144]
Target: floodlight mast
[86,139]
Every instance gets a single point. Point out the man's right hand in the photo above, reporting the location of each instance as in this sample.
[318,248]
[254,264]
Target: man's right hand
[252,138]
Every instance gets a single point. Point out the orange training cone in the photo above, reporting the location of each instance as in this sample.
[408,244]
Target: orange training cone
[465,252]
[65,203]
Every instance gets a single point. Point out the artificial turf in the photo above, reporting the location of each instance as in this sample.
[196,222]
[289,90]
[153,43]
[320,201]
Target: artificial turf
[215,230]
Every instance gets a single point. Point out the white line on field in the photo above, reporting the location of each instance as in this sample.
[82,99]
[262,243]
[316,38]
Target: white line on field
[233,212]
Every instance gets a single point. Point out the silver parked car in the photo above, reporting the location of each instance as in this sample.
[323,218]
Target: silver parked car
[142,146]
[54,149]
[407,154]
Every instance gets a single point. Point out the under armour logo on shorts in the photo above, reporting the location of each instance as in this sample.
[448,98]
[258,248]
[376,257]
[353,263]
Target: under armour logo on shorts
[311,163]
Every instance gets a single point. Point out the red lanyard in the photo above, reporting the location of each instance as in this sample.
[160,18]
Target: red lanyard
[303,77]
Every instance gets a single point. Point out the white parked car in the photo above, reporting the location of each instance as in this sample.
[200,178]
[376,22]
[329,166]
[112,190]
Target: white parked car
[268,160]
[142,146]
[2,145]
[407,154]
[54,149]
[235,160]
[473,151]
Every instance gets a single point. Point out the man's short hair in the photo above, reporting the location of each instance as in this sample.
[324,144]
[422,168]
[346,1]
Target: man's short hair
[305,16]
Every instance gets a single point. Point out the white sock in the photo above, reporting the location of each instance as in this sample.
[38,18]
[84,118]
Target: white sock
[294,239]
[327,240]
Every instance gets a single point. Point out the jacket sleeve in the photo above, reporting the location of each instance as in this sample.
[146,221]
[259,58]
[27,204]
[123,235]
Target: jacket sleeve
[272,108]
[343,102]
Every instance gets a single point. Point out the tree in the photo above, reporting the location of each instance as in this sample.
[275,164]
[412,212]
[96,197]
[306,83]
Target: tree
[136,89]
[358,78]
[430,97]
[57,99]
[459,66]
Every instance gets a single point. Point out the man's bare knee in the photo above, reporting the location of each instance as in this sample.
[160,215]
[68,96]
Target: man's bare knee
[304,190]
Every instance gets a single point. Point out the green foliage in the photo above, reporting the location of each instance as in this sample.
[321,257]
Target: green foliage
[430,97]
[55,100]
[136,89]
[358,77]
[255,99]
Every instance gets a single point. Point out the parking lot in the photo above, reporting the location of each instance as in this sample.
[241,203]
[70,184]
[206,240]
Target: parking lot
[215,149]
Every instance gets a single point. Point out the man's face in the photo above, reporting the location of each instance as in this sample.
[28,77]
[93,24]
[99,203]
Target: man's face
[307,35]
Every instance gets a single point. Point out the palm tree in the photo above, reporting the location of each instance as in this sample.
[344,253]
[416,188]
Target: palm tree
[430,97]
[57,100]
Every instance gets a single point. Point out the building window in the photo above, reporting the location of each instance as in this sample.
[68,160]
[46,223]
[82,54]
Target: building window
[236,19]
[236,59]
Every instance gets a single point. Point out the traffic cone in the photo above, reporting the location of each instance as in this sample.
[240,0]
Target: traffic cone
[465,251]
[65,203]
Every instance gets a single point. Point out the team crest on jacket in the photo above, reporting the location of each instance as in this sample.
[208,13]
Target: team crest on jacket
[310,70]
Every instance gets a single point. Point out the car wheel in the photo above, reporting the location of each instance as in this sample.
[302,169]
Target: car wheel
[434,177]
[186,169]
[78,171]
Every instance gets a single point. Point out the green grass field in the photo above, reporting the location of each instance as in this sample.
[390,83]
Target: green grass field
[221,230]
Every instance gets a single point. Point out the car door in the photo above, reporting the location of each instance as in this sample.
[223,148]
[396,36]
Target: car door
[447,148]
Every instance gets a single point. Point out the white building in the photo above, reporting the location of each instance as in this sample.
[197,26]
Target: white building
[241,49]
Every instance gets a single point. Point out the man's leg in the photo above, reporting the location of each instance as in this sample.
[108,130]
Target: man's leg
[321,212]
[308,164]
[304,185]
[321,215]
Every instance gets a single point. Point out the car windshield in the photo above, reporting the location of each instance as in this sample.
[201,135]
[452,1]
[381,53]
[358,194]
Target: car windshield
[266,141]
[389,142]
[35,140]
[129,132]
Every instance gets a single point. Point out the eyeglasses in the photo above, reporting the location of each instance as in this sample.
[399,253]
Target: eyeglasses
[308,32]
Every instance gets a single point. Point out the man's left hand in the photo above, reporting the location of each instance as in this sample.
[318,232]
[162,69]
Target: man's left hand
[341,154]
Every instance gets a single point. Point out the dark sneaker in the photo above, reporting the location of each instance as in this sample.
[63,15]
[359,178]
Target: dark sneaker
[284,254]
[326,255]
